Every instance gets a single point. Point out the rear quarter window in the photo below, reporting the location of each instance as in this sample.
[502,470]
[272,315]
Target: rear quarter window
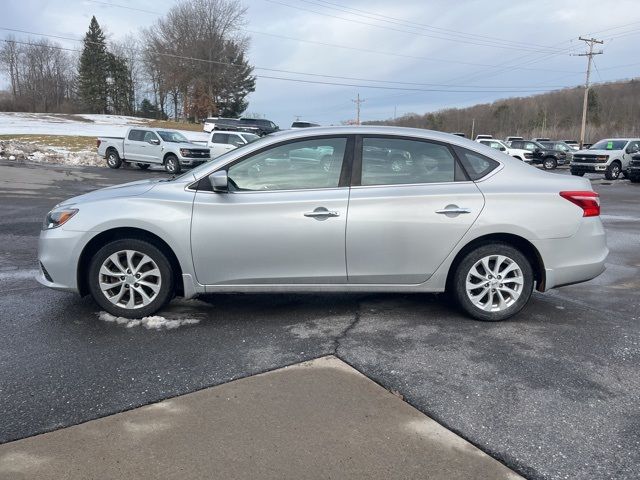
[475,164]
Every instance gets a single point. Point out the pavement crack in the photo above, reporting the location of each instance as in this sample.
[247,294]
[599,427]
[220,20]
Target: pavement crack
[343,335]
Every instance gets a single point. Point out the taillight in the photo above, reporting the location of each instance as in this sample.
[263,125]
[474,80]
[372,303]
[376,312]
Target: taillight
[98,142]
[587,200]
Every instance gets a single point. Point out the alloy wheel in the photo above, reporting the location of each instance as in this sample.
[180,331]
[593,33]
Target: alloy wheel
[130,279]
[494,283]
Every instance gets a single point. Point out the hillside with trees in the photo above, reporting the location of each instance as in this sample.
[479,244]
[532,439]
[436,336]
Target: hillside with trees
[189,64]
[614,110]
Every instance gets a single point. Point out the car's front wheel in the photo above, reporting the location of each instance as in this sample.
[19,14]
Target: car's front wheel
[613,171]
[550,163]
[130,278]
[493,282]
[172,164]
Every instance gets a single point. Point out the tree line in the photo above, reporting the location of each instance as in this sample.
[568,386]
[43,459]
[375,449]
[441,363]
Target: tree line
[613,110]
[190,63]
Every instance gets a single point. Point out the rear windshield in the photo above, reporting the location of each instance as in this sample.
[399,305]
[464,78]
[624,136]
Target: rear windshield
[608,145]
[475,164]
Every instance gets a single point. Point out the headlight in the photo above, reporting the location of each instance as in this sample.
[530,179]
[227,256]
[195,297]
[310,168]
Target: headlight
[58,217]
[185,153]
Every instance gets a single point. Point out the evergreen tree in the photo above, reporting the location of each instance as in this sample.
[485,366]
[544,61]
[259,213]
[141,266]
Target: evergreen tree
[120,86]
[93,70]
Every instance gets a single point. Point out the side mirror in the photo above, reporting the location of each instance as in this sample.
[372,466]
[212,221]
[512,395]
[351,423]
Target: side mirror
[154,141]
[537,150]
[502,149]
[219,181]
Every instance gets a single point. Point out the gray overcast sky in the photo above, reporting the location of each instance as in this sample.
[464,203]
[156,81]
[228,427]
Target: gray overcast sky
[540,35]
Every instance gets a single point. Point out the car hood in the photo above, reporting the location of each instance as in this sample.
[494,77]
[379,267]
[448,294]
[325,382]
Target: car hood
[595,152]
[130,189]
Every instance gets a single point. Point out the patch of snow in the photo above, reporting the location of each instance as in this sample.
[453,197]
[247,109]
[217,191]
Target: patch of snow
[18,274]
[155,322]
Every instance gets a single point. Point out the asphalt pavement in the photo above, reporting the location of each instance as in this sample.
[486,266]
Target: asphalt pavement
[552,393]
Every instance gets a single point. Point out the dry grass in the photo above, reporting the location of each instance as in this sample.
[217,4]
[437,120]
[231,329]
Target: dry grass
[73,143]
[170,124]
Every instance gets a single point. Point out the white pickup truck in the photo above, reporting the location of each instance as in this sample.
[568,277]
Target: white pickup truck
[152,146]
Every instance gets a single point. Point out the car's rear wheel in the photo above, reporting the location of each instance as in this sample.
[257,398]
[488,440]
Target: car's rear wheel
[549,163]
[172,164]
[493,282]
[613,171]
[113,159]
[143,166]
[131,278]
[398,163]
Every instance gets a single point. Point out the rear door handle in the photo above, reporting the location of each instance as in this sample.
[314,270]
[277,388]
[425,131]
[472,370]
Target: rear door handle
[321,213]
[453,210]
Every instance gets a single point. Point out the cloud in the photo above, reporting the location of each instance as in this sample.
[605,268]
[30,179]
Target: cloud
[545,23]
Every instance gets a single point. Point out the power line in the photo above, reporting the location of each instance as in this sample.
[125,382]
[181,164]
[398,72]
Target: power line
[333,45]
[408,32]
[416,25]
[320,75]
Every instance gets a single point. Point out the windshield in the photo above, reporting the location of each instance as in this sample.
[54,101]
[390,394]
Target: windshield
[249,137]
[608,145]
[174,137]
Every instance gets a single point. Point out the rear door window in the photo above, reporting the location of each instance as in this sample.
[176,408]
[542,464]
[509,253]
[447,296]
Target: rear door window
[136,135]
[398,161]
[220,138]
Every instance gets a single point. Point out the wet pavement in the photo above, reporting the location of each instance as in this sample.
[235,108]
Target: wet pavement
[552,393]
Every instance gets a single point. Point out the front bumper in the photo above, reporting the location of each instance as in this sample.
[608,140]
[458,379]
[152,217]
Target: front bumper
[59,252]
[192,162]
[588,167]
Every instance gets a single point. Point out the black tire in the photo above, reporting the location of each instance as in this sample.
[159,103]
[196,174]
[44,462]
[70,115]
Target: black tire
[577,174]
[459,281]
[613,171]
[550,163]
[172,164]
[113,159]
[143,166]
[164,295]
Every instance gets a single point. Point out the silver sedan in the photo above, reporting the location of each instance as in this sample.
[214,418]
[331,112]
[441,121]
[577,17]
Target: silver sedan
[386,210]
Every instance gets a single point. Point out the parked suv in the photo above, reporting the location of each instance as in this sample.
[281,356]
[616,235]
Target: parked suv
[222,123]
[610,156]
[222,142]
[634,169]
[547,157]
[561,147]
[263,127]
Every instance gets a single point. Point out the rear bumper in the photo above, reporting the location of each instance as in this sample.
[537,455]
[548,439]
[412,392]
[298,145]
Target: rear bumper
[575,259]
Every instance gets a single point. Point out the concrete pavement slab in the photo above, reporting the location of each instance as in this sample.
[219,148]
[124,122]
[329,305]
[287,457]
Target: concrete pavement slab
[317,419]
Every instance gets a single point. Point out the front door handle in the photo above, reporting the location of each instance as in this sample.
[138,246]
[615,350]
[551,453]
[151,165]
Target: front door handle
[453,210]
[322,213]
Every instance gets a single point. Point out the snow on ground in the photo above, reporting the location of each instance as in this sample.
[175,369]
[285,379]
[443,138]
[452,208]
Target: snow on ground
[30,151]
[85,125]
[155,322]
[61,124]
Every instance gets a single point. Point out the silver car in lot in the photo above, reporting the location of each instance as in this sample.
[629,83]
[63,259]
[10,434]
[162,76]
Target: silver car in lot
[461,217]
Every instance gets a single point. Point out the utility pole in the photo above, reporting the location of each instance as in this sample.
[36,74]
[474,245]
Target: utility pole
[358,101]
[591,42]
[473,127]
